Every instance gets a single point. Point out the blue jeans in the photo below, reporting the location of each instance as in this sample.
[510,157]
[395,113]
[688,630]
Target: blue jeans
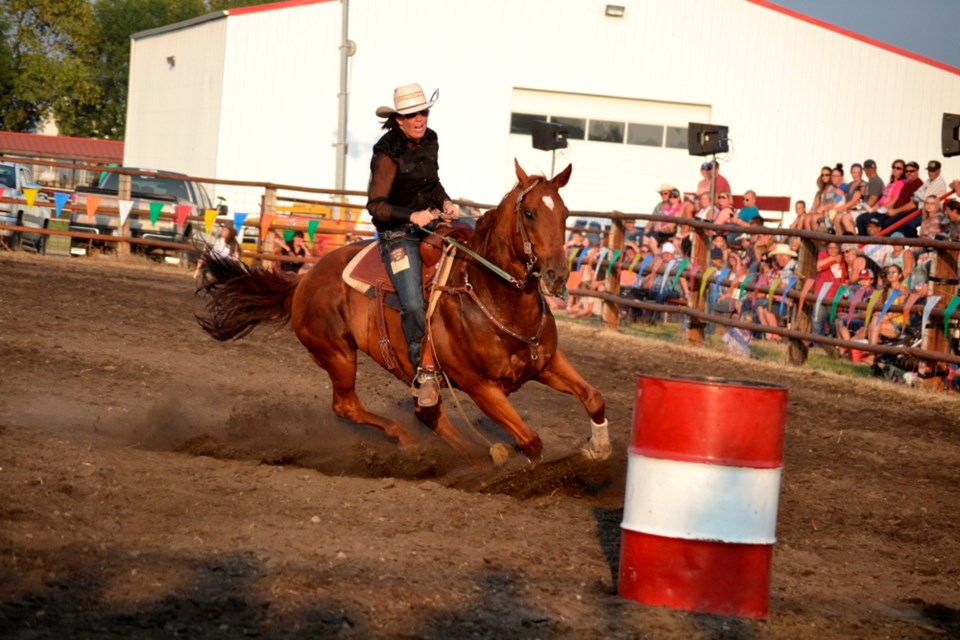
[407,280]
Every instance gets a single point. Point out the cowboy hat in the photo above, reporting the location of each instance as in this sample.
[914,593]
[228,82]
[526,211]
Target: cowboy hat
[783,250]
[408,99]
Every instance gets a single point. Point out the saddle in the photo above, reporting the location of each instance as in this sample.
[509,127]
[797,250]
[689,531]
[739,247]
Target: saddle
[367,273]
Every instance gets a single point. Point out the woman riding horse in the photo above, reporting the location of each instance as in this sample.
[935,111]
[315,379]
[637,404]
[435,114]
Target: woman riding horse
[404,197]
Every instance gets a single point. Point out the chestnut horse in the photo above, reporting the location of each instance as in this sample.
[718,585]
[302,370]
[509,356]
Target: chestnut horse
[490,333]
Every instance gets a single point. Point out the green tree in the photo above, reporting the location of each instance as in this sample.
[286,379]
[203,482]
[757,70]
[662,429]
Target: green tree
[70,59]
[48,44]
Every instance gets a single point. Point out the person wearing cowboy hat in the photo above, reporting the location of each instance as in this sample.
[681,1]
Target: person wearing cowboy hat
[786,260]
[404,197]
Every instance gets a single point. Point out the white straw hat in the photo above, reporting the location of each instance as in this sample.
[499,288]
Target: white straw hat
[408,99]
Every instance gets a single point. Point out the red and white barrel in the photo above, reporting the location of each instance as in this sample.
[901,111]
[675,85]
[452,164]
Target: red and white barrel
[703,484]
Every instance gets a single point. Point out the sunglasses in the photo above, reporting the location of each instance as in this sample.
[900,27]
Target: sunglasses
[824,175]
[896,166]
[912,170]
[721,197]
[673,196]
[411,116]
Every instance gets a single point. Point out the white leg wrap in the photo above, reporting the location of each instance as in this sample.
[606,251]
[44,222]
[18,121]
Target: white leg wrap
[598,448]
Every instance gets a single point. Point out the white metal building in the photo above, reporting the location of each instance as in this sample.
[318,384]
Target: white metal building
[252,94]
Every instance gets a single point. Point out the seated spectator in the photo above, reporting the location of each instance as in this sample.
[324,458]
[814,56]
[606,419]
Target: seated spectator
[296,248]
[746,217]
[903,258]
[849,324]
[844,222]
[728,293]
[891,326]
[710,179]
[933,220]
[800,215]
[876,252]
[588,306]
[855,261]
[664,230]
[724,206]
[905,205]
[831,268]
[831,198]
[225,246]
[952,209]
[706,211]
[660,283]
[889,196]
[875,185]
[718,251]
[934,185]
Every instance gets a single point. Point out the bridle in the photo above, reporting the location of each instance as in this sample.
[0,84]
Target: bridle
[531,258]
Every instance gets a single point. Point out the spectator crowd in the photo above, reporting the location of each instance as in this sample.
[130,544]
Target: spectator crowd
[751,273]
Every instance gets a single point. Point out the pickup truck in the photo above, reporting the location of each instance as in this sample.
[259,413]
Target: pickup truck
[14,178]
[166,187]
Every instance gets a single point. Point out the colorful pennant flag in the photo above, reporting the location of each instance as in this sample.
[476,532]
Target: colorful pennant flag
[874,297]
[288,235]
[238,220]
[854,301]
[954,303]
[266,221]
[312,228]
[927,308]
[209,217]
[182,212]
[124,206]
[837,297]
[31,196]
[92,203]
[60,200]
[705,279]
[155,209]
[820,296]
[894,294]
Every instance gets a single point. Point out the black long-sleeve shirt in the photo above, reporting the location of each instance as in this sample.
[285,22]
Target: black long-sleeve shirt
[404,178]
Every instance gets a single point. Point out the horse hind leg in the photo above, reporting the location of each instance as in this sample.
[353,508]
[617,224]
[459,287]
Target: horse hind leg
[346,404]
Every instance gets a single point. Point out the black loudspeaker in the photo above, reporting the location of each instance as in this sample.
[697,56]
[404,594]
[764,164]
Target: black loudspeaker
[706,139]
[548,135]
[950,135]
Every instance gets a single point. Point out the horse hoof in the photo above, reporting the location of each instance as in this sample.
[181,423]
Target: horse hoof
[499,454]
[533,450]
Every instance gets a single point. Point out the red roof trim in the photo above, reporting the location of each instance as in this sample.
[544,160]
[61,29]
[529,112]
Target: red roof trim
[270,7]
[856,36]
[13,142]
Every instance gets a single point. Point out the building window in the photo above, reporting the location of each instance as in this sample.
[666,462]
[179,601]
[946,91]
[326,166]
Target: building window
[676,138]
[647,135]
[606,131]
[576,127]
[523,122]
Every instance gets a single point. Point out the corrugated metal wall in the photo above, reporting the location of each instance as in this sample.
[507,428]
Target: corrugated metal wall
[795,96]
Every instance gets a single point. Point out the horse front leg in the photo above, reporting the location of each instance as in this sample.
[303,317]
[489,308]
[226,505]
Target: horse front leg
[561,375]
[491,399]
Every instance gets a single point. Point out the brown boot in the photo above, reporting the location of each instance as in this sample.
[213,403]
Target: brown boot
[428,394]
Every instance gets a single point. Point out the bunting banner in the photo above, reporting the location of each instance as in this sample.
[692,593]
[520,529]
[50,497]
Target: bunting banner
[60,201]
[705,279]
[743,283]
[266,221]
[680,269]
[716,288]
[694,269]
[633,263]
[93,202]
[854,301]
[643,265]
[238,220]
[155,209]
[666,273]
[786,290]
[312,228]
[954,303]
[894,294]
[807,287]
[613,261]
[31,196]
[288,235]
[837,297]
[820,296]
[209,217]
[182,213]
[927,308]
[908,305]
[574,251]
[583,255]
[874,297]
[124,206]
[773,287]
[603,255]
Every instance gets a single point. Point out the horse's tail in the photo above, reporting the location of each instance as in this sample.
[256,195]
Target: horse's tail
[240,298]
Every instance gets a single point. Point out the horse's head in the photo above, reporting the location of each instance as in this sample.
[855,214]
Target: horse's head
[541,218]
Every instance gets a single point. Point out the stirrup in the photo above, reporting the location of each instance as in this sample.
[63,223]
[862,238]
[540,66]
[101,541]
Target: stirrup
[427,389]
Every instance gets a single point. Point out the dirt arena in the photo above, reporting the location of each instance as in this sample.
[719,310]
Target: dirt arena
[155,483]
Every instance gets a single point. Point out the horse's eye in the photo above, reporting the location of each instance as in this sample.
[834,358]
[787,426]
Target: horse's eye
[528,213]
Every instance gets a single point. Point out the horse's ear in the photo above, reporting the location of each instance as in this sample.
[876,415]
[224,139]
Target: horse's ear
[521,174]
[561,179]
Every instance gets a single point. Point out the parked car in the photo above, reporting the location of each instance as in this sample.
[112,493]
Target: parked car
[166,187]
[14,179]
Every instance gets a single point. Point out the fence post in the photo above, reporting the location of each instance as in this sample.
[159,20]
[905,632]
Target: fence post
[944,280]
[610,317]
[700,255]
[798,350]
[123,193]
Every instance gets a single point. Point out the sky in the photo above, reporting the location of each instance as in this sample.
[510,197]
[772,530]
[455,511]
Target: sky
[930,28]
